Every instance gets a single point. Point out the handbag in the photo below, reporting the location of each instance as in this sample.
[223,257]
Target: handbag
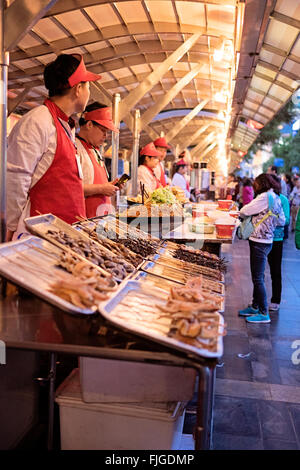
[246,227]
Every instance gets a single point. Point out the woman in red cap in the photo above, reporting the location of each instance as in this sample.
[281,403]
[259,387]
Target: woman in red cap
[148,160]
[179,178]
[94,123]
[43,169]
[161,146]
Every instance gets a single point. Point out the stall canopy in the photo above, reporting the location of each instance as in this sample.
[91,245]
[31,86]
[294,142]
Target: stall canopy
[208,75]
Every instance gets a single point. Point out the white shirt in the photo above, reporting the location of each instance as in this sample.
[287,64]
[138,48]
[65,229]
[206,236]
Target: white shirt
[146,177]
[31,149]
[86,164]
[158,169]
[179,180]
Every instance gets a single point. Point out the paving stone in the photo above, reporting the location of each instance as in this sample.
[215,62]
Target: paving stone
[275,421]
[237,416]
[230,442]
[277,444]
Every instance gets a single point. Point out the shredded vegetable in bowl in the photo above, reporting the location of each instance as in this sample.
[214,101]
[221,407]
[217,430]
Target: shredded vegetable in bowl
[162,196]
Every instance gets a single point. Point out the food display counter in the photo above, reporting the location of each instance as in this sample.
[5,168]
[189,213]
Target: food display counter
[105,289]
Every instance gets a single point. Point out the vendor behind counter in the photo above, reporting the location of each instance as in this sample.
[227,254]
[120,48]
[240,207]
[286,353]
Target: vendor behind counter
[44,174]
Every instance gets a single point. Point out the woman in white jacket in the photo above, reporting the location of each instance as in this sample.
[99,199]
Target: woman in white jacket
[267,212]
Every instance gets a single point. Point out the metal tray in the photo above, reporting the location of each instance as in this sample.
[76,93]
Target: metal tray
[125,228]
[33,282]
[180,276]
[185,266]
[166,284]
[145,326]
[39,225]
[81,229]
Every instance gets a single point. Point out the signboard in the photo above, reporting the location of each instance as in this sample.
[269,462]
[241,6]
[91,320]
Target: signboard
[295,169]
[279,162]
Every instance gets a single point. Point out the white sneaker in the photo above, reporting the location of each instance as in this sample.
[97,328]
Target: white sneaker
[273,307]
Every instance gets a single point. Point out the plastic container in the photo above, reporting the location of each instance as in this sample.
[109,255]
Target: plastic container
[102,426]
[225,204]
[225,227]
[106,380]
[201,228]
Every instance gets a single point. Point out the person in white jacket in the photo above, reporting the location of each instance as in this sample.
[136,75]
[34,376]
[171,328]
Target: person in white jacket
[179,178]
[267,212]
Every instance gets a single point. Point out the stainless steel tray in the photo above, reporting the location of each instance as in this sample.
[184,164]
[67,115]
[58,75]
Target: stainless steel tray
[195,269]
[35,283]
[80,228]
[146,323]
[125,228]
[180,276]
[39,225]
[166,284]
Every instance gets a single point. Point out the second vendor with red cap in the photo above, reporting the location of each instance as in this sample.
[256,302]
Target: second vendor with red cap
[162,147]
[148,161]
[94,123]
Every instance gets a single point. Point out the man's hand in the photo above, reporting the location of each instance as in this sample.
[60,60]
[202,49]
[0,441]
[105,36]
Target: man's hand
[121,185]
[107,189]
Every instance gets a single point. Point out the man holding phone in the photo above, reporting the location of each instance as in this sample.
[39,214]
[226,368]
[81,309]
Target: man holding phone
[94,124]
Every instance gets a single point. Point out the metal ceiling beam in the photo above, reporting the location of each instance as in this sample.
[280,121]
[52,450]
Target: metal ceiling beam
[160,104]
[280,52]
[107,51]
[135,96]
[181,124]
[13,103]
[20,17]
[209,149]
[201,146]
[274,82]
[191,139]
[68,5]
[285,19]
[276,69]
[99,93]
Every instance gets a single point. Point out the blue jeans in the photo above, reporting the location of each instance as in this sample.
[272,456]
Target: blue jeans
[258,258]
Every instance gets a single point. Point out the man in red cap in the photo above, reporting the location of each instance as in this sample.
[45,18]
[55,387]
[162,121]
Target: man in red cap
[148,161]
[94,123]
[43,169]
[161,146]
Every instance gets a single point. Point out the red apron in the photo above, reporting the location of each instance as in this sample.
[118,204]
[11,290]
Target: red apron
[162,178]
[60,190]
[100,177]
[158,183]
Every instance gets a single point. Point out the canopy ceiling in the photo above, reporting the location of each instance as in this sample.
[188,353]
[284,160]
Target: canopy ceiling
[196,70]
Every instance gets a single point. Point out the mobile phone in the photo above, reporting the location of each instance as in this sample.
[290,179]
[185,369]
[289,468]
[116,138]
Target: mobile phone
[124,178]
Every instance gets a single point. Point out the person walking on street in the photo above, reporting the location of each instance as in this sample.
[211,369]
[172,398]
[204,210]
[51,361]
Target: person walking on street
[248,193]
[275,255]
[295,203]
[267,212]
[273,170]
[297,232]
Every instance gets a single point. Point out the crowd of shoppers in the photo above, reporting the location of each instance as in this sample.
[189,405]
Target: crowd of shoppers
[272,204]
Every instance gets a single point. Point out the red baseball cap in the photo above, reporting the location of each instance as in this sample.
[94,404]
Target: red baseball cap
[103,117]
[149,150]
[181,162]
[161,142]
[81,74]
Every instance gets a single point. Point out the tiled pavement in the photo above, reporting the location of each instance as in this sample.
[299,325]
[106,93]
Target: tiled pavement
[257,396]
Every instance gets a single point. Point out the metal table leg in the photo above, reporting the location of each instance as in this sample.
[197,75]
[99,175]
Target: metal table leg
[203,431]
[52,378]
